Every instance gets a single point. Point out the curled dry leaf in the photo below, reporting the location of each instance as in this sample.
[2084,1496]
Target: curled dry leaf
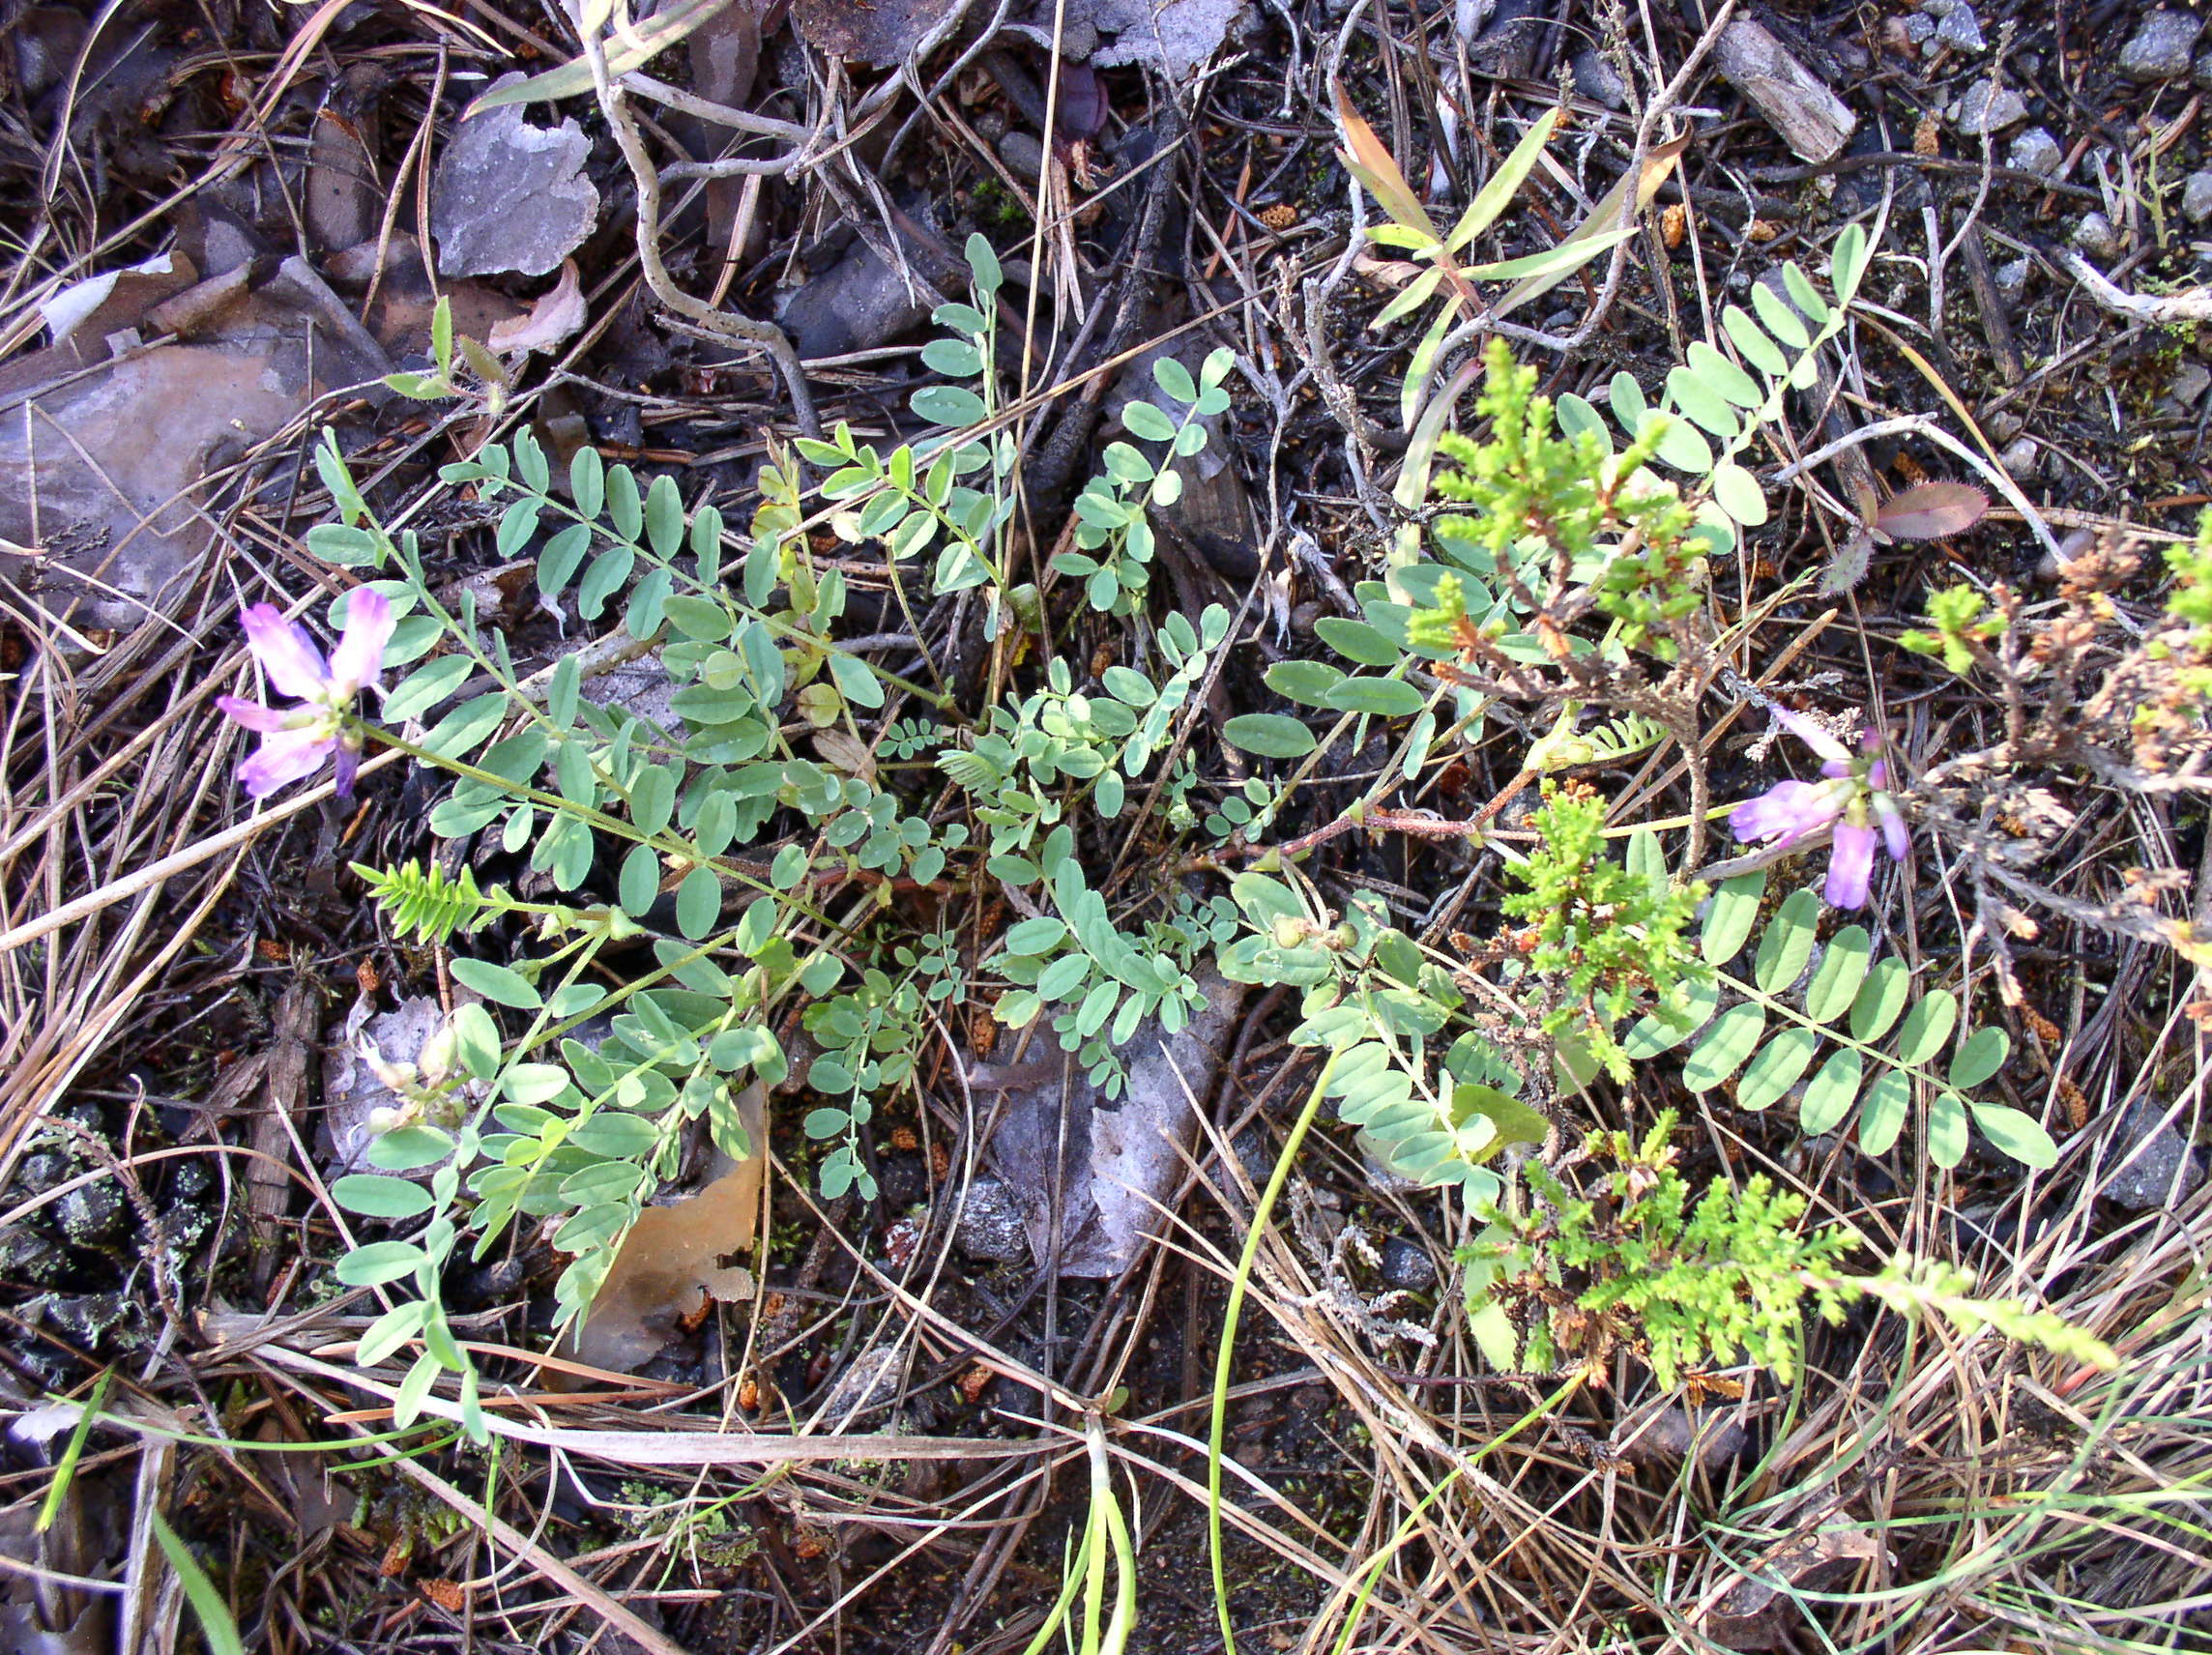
[1760,1609]
[674,1258]
[1931,511]
[556,315]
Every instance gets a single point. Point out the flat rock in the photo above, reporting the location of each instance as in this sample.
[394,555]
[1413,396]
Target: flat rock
[1988,109]
[1407,1265]
[120,520]
[1174,36]
[856,305]
[509,196]
[2191,380]
[1116,1162]
[2159,50]
[2157,1166]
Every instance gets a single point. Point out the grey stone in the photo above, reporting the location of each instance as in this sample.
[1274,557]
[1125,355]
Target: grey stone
[1595,78]
[1023,154]
[512,196]
[92,1214]
[2036,151]
[122,521]
[2012,280]
[2157,1166]
[2095,236]
[1956,24]
[1916,29]
[2191,380]
[2201,73]
[2196,198]
[992,1230]
[2021,458]
[2159,50]
[871,1382]
[856,305]
[1407,1264]
[1988,109]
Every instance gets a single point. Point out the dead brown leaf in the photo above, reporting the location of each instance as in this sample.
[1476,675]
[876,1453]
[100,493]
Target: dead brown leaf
[672,1262]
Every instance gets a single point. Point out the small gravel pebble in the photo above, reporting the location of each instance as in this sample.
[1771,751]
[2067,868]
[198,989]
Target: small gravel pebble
[2200,75]
[1407,1264]
[1596,78]
[2021,459]
[2196,198]
[2191,381]
[2012,280]
[2161,1169]
[1956,24]
[2036,151]
[2159,50]
[2095,236]
[1988,109]
[991,1230]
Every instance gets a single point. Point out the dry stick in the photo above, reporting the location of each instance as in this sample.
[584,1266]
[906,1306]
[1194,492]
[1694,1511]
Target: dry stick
[612,1609]
[2165,310]
[731,325]
[1919,424]
[154,873]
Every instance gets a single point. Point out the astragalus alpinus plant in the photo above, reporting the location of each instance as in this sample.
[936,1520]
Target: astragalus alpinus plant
[709,877]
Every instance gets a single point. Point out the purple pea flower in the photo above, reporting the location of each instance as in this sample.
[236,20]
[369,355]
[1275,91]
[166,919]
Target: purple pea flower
[1854,798]
[296,741]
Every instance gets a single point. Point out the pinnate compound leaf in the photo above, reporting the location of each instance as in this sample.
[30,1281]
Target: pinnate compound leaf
[1749,338]
[378,1264]
[499,983]
[374,1196]
[1723,375]
[1835,980]
[1308,683]
[1880,999]
[1927,1028]
[1667,1027]
[1737,493]
[1946,1141]
[1384,697]
[1788,944]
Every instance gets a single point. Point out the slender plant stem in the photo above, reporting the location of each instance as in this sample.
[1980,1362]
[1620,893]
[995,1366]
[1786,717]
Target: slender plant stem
[1244,1261]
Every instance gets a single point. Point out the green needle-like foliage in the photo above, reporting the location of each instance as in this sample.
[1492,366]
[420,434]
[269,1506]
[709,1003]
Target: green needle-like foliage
[1605,935]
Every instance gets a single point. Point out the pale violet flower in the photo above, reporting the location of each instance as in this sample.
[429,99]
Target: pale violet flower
[295,741]
[1854,798]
